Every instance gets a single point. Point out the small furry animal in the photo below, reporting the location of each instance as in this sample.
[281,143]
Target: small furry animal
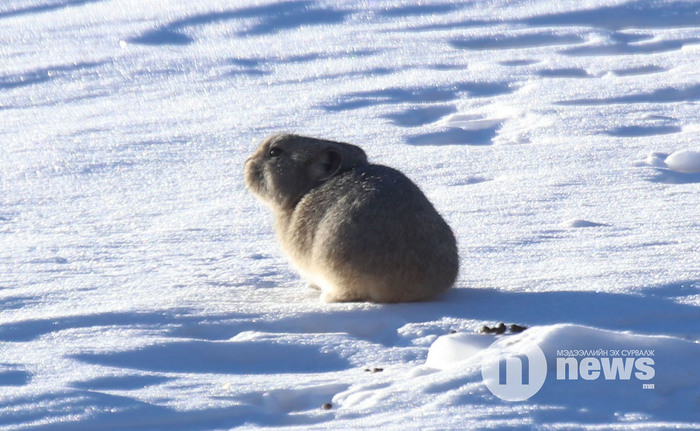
[356,230]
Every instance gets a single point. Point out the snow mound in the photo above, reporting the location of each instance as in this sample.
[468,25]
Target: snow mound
[578,223]
[680,167]
[685,161]
[450,350]
[453,350]
[656,160]
[616,387]
[471,122]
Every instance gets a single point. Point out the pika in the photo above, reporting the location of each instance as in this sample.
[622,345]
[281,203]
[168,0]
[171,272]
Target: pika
[355,230]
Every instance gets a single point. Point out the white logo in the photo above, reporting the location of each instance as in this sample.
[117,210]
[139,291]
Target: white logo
[609,364]
[514,371]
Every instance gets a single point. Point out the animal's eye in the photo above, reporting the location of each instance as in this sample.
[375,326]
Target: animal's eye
[275,152]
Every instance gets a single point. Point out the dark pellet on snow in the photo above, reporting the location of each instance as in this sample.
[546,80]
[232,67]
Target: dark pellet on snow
[516,329]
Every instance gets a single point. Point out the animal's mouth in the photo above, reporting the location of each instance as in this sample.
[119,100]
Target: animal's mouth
[254,176]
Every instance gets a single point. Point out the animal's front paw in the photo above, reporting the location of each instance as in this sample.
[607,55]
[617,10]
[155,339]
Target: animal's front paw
[327,297]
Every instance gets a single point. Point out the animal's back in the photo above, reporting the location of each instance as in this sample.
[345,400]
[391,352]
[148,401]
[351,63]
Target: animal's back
[381,237]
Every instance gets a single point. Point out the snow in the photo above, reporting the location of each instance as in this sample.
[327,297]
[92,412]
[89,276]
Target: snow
[141,286]
[460,356]
[684,161]
[681,166]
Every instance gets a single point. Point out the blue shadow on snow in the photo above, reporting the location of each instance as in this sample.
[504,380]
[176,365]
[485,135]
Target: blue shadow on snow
[39,76]
[267,19]
[455,136]
[41,8]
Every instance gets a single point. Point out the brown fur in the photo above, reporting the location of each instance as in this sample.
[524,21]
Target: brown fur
[358,231]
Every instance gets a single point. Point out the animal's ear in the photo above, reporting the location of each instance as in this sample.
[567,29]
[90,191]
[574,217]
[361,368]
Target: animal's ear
[326,164]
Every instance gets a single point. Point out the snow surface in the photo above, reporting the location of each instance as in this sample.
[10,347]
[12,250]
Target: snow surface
[141,286]
[684,161]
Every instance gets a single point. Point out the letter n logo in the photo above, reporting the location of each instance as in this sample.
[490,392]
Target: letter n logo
[524,363]
[514,368]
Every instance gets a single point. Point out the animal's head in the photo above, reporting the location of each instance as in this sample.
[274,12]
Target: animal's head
[285,167]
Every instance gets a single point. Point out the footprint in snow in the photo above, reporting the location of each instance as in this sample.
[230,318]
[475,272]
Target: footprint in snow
[460,129]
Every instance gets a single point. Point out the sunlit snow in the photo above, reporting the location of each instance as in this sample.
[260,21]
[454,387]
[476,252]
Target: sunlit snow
[141,286]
